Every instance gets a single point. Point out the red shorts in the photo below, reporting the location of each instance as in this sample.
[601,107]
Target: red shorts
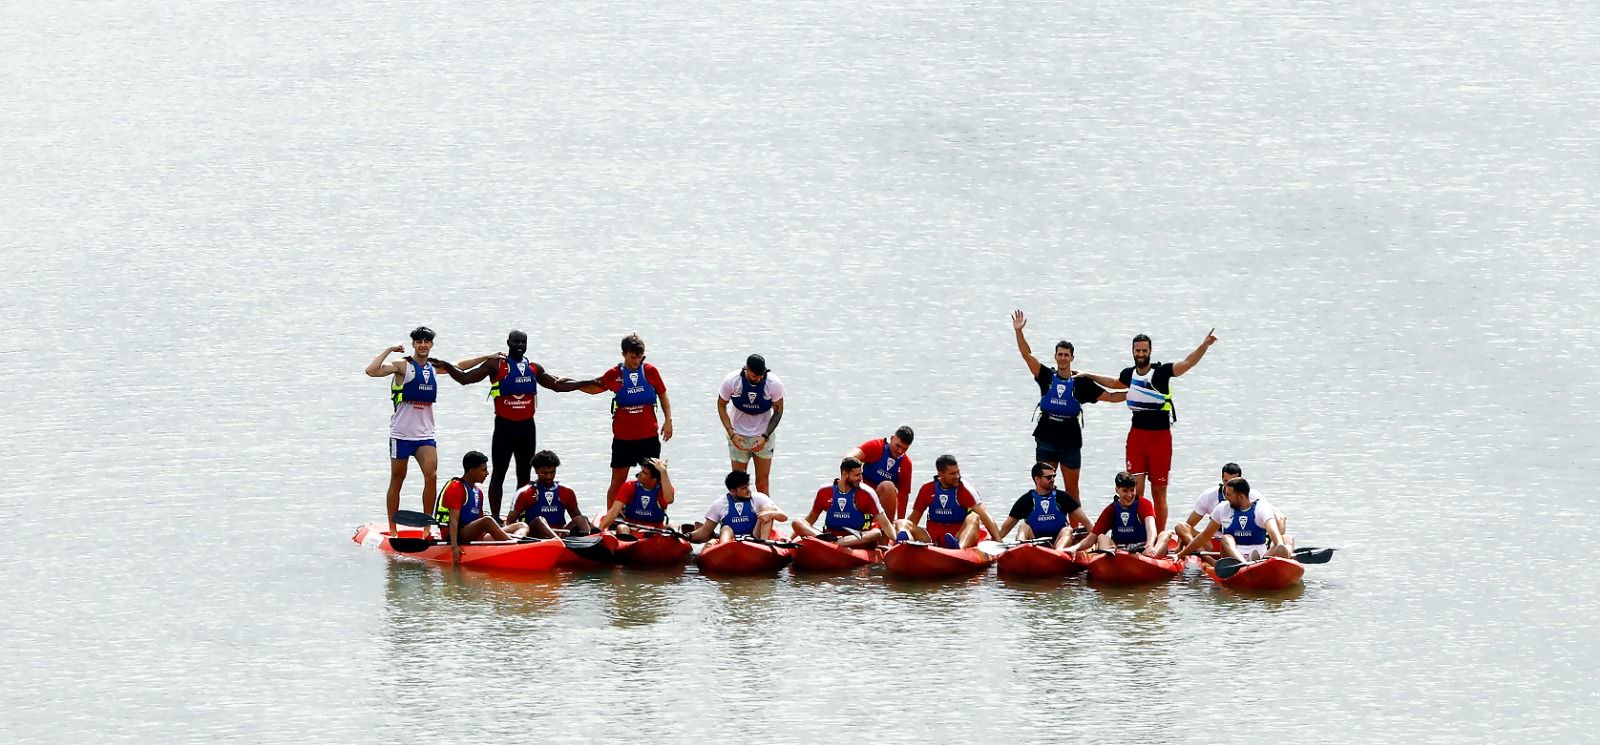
[937,532]
[1150,452]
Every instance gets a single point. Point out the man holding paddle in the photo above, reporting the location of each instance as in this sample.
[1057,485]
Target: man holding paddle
[460,511]
[854,516]
[742,513]
[1127,524]
[1246,526]
[1045,511]
[1149,395]
[643,501]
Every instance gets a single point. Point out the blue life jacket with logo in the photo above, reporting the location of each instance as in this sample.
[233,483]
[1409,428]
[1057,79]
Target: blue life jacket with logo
[471,507]
[843,513]
[645,507]
[636,389]
[1244,529]
[752,398]
[548,505]
[1058,400]
[1126,527]
[946,509]
[741,516]
[517,378]
[883,469]
[421,388]
[1046,520]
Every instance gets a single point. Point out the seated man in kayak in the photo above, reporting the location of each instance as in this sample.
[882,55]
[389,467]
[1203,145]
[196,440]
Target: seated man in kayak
[1246,526]
[955,511]
[1208,501]
[460,509]
[741,513]
[855,518]
[643,501]
[887,469]
[1045,511]
[546,505]
[1127,524]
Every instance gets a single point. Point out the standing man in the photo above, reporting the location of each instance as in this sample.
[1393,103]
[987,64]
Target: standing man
[888,469]
[413,387]
[1058,438]
[757,397]
[1149,387]
[514,385]
[635,437]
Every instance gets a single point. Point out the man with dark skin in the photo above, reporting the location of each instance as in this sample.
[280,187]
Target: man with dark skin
[1149,395]
[514,386]
[412,390]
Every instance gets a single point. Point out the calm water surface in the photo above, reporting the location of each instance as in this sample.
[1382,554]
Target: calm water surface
[213,215]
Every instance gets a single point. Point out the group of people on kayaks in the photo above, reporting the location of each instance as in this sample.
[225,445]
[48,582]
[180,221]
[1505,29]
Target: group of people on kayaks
[871,503]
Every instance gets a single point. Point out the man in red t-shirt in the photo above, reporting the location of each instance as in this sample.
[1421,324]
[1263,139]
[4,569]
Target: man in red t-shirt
[854,517]
[635,437]
[514,382]
[887,469]
[954,509]
[546,505]
[460,508]
[1127,524]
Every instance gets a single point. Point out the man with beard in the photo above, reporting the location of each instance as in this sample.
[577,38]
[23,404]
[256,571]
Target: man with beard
[1149,395]
[514,386]
[854,517]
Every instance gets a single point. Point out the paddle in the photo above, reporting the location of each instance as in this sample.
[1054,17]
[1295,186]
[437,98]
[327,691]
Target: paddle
[651,529]
[766,542]
[1309,555]
[413,519]
[1227,566]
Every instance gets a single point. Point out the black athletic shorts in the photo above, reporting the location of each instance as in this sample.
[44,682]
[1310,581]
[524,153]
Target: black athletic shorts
[514,438]
[629,453]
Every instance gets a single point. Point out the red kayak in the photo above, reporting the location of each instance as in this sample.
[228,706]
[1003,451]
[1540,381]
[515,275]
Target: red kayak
[513,556]
[652,550]
[1036,562]
[591,559]
[1123,568]
[814,555]
[922,561]
[1271,573]
[743,557]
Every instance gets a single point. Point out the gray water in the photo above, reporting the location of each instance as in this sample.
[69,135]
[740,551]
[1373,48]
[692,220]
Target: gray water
[213,215]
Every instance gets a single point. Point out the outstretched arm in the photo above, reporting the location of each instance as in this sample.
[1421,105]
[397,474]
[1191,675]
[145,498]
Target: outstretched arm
[1103,382]
[563,385]
[478,368]
[456,373]
[1182,366]
[1017,322]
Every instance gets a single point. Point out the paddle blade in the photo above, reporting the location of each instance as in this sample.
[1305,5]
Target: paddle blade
[413,519]
[991,548]
[1227,567]
[410,545]
[591,547]
[1313,555]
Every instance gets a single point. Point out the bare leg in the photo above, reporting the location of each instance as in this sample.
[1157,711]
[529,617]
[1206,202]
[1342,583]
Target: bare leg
[428,460]
[618,476]
[969,531]
[889,497]
[516,530]
[1104,543]
[724,534]
[763,475]
[539,527]
[764,527]
[1162,544]
[1230,549]
[1024,533]
[1185,532]
[803,529]
[579,525]
[1069,481]
[865,540]
[1158,495]
[397,478]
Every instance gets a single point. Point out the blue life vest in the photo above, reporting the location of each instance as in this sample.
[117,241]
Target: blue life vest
[1126,527]
[884,469]
[752,398]
[645,507]
[636,389]
[1244,529]
[421,388]
[517,378]
[471,507]
[741,516]
[1058,400]
[548,505]
[946,509]
[843,513]
[1047,518]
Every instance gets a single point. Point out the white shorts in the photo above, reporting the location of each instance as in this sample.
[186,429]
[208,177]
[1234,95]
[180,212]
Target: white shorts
[1252,552]
[743,456]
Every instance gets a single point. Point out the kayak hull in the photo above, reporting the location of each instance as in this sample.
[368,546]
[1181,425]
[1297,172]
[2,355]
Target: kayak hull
[1272,573]
[742,557]
[813,555]
[1039,562]
[652,551]
[913,561]
[1122,568]
[531,556]
[593,560]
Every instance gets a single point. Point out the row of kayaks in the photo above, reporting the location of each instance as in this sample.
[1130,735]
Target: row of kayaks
[916,561]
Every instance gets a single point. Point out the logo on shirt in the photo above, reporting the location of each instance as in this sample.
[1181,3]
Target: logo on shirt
[550,498]
[1244,521]
[738,507]
[1125,517]
[1061,390]
[522,367]
[644,500]
[633,378]
[944,501]
[751,396]
[1044,505]
[841,504]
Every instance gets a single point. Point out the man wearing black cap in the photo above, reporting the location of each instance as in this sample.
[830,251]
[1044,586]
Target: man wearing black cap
[757,397]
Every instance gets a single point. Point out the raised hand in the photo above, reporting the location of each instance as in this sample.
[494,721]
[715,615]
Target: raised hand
[1018,320]
[397,348]
[1211,337]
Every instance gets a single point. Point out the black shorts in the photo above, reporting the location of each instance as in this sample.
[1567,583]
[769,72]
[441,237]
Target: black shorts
[630,453]
[1045,451]
[513,438]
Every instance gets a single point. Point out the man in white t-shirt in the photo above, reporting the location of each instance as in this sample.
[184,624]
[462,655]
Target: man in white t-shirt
[757,398]
[1246,526]
[1208,501]
[740,513]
